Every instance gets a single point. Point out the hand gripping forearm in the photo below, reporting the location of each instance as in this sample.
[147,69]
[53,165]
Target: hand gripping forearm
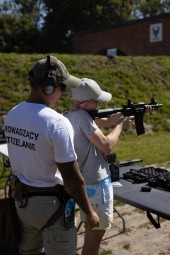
[75,186]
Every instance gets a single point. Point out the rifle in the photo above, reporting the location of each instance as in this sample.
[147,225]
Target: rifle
[131,109]
[129,162]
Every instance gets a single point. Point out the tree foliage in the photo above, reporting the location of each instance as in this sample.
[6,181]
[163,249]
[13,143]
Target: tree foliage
[149,8]
[18,29]
[46,25]
[65,18]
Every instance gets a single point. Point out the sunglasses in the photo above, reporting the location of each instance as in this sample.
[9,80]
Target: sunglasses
[91,101]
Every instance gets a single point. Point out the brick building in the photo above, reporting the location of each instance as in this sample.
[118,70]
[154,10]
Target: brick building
[144,37]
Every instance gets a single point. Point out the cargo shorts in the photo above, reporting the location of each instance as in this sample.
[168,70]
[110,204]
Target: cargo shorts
[53,240]
[101,197]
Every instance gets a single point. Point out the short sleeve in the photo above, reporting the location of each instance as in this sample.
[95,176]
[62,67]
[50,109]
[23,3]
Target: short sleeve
[88,126]
[62,138]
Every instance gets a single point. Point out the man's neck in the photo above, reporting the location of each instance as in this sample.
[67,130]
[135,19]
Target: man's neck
[35,101]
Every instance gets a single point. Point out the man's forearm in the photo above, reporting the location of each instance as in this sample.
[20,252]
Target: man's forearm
[78,192]
[75,185]
[108,122]
[113,136]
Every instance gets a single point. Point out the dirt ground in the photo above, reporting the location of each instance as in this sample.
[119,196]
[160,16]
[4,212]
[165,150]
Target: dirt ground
[140,236]
[137,237]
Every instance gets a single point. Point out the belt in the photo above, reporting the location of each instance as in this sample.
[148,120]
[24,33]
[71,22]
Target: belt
[41,193]
[30,191]
[21,192]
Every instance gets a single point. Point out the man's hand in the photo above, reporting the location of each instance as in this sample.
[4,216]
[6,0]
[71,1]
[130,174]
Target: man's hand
[126,122]
[149,109]
[91,220]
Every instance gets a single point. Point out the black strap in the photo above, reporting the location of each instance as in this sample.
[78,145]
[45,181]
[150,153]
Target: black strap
[55,216]
[152,220]
[58,193]
[41,193]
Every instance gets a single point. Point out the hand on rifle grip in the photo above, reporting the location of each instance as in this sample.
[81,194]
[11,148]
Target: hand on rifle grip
[127,123]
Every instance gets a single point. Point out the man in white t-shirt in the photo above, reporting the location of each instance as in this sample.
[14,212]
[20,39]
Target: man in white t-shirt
[42,156]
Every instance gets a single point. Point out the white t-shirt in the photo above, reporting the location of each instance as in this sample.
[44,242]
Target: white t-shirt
[37,138]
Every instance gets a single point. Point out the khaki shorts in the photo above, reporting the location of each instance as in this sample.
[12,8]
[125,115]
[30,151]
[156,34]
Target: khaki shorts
[101,197]
[53,240]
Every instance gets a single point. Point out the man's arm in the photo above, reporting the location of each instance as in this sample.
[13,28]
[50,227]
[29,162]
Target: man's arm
[75,186]
[106,143]
[109,121]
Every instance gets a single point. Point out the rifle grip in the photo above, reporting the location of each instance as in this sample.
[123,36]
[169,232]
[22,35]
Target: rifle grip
[139,121]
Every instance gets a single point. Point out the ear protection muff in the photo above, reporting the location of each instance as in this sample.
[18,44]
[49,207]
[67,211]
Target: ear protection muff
[49,78]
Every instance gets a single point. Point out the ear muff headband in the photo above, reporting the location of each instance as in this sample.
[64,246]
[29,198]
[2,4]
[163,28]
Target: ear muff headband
[49,78]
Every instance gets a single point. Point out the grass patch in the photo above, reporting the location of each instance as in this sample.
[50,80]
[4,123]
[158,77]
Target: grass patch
[126,246]
[105,252]
[137,78]
[118,203]
[137,210]
[152,148]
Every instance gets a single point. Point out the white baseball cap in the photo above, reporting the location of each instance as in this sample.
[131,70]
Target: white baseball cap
[88,90]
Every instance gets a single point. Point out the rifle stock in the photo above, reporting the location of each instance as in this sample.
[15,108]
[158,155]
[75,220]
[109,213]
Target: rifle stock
[131,109]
